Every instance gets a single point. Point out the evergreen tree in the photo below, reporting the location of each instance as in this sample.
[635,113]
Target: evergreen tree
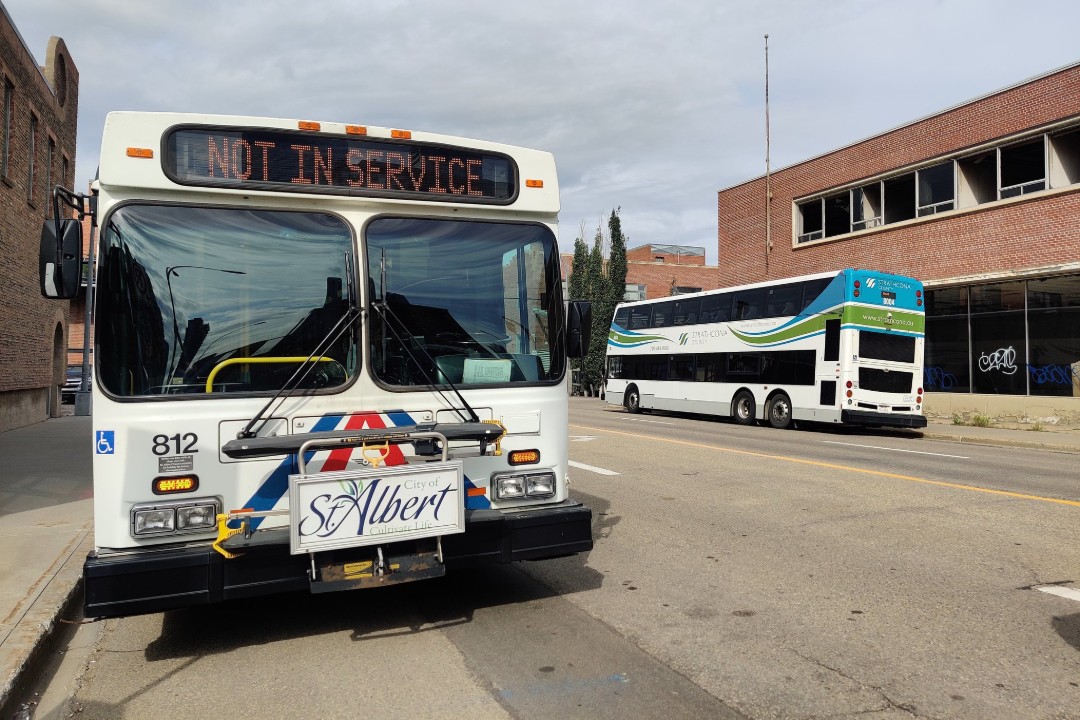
[617,260]
[576,286]
[593,368]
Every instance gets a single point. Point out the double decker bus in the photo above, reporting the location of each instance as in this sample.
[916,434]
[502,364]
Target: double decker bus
[839,347]
[327,356]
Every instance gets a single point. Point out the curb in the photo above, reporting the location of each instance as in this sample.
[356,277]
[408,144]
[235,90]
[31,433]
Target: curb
[35,634]
[1001,442]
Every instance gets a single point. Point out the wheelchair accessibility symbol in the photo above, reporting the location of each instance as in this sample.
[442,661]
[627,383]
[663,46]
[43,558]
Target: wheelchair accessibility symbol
[106,442]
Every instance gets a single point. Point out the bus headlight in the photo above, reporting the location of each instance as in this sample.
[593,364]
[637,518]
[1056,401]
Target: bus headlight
[174,518]
[533,485]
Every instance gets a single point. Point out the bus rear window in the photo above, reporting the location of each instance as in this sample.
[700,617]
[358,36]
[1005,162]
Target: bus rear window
[885,346]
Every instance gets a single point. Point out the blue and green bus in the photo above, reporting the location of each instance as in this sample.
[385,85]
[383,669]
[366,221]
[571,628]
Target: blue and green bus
[838,347]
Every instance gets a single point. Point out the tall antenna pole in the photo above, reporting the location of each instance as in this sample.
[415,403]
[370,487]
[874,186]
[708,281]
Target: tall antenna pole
[768,172]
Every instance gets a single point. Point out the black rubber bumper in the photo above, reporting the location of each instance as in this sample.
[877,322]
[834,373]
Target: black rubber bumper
[152,581]
[867,417]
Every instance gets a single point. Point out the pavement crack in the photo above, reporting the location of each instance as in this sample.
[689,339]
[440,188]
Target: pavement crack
[889,703]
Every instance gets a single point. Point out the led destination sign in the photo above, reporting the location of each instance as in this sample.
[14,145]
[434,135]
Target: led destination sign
[303,162]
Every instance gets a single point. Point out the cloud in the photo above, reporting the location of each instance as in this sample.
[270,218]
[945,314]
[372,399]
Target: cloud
[647,106]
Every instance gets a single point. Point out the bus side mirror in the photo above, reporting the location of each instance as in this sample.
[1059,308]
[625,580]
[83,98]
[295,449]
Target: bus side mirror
[61,259]
[578,328]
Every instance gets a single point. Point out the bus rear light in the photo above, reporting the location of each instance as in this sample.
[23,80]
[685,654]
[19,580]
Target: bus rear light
[524,457]
[849,393]
[356,130]
[145,153]
[308,125]
[170,485]
[918,293]
[401,134]
[857,285]
[856,293]
[850,384]
[534,183]
[919,391]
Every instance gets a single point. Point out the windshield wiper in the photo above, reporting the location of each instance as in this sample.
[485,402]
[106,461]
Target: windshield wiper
[304,369]
[384,309]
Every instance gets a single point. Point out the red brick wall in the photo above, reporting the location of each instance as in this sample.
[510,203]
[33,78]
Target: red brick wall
[645,253]
[1035,232]
[28,322]
[657,277]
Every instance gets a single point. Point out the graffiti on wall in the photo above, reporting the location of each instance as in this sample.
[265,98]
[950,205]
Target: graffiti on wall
[1002,359]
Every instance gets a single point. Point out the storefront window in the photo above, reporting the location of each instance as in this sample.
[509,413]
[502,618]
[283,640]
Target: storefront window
[946,365]
[998,347]
[1054,336]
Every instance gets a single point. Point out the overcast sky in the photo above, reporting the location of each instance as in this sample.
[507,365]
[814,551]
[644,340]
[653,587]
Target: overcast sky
[651,106]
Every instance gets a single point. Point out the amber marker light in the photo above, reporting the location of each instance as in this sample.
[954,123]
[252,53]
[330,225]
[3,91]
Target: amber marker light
[177,484]
[356,130]
[308,125]
[134,152]
[524,457]
[534,183]
[401,134]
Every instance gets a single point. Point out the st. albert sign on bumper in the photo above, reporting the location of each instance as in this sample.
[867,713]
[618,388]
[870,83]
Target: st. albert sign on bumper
[348,508]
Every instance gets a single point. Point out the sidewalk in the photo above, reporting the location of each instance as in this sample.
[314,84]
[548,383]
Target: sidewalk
[46,522]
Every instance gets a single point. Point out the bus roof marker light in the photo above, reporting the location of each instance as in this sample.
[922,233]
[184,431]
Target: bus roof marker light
[308,125]
[356,130]
[401,134]
[144,153]
[534,183]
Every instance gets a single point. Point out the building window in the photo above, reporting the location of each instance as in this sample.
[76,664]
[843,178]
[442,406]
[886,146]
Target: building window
[684,290]
[900,198]
[63,171]
[49,177]
[634,292]
[998,347]
[946,367]
[9,98]
[1022,168]
[30,159]
[811,221]
[1054,336]
[866,207]
[937,189]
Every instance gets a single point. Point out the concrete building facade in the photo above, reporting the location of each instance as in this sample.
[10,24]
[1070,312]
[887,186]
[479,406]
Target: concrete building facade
[38,122]
[982,203]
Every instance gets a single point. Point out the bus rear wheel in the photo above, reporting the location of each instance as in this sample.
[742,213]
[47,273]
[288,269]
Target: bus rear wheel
[632,401]
[778,411]
[742,407]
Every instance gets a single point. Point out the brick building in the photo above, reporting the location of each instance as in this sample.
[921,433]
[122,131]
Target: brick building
[38,124]
[654,271]
[982,203]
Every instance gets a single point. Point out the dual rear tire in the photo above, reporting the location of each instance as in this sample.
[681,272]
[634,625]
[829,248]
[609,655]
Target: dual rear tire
[777,409]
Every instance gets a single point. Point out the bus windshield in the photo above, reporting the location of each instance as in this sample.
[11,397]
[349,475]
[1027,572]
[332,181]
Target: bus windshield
[183,289]
[463,302]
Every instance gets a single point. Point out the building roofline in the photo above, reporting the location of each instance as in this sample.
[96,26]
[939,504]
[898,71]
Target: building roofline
[883,133]
[26,47]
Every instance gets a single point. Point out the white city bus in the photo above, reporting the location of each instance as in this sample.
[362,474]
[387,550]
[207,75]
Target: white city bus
[327,356]
[838,347]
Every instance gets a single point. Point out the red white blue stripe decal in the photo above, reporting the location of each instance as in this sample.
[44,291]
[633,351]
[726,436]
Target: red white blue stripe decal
[276,485]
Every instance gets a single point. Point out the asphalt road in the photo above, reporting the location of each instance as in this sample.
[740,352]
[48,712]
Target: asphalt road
[738,572]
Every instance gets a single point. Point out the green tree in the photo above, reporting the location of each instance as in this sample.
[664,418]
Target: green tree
[592,373]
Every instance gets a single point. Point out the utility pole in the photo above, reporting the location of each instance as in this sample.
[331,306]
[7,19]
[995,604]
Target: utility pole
[768,171]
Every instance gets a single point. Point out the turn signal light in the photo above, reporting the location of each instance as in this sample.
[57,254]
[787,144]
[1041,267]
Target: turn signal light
[524,457]
[172,485]
[135,152]
[534,183]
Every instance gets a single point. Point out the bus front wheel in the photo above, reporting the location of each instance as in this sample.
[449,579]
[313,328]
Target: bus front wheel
[742,407]
[632,401]
[778,411]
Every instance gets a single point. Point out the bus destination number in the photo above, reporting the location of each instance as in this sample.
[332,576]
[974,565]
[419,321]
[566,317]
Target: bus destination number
[888,298]
[175,444]
[286,160]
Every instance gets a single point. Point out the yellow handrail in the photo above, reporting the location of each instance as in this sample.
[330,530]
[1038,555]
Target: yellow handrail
[266,360]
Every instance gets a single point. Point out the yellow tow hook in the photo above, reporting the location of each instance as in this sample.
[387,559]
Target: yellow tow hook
[498,440]
[224,532]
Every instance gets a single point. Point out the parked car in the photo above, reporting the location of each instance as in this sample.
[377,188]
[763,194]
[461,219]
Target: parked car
[72,383]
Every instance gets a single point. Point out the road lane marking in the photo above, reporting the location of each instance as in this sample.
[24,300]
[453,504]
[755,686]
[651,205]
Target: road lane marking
[654,422]
[592,468]
[582,438]
[1065,592]
[834,466]
[916,452]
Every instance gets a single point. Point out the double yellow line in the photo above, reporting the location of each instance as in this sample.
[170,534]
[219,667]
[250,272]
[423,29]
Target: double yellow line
[834,466]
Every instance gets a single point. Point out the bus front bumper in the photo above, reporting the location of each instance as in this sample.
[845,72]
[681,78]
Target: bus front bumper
[148,581]
[867,417]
